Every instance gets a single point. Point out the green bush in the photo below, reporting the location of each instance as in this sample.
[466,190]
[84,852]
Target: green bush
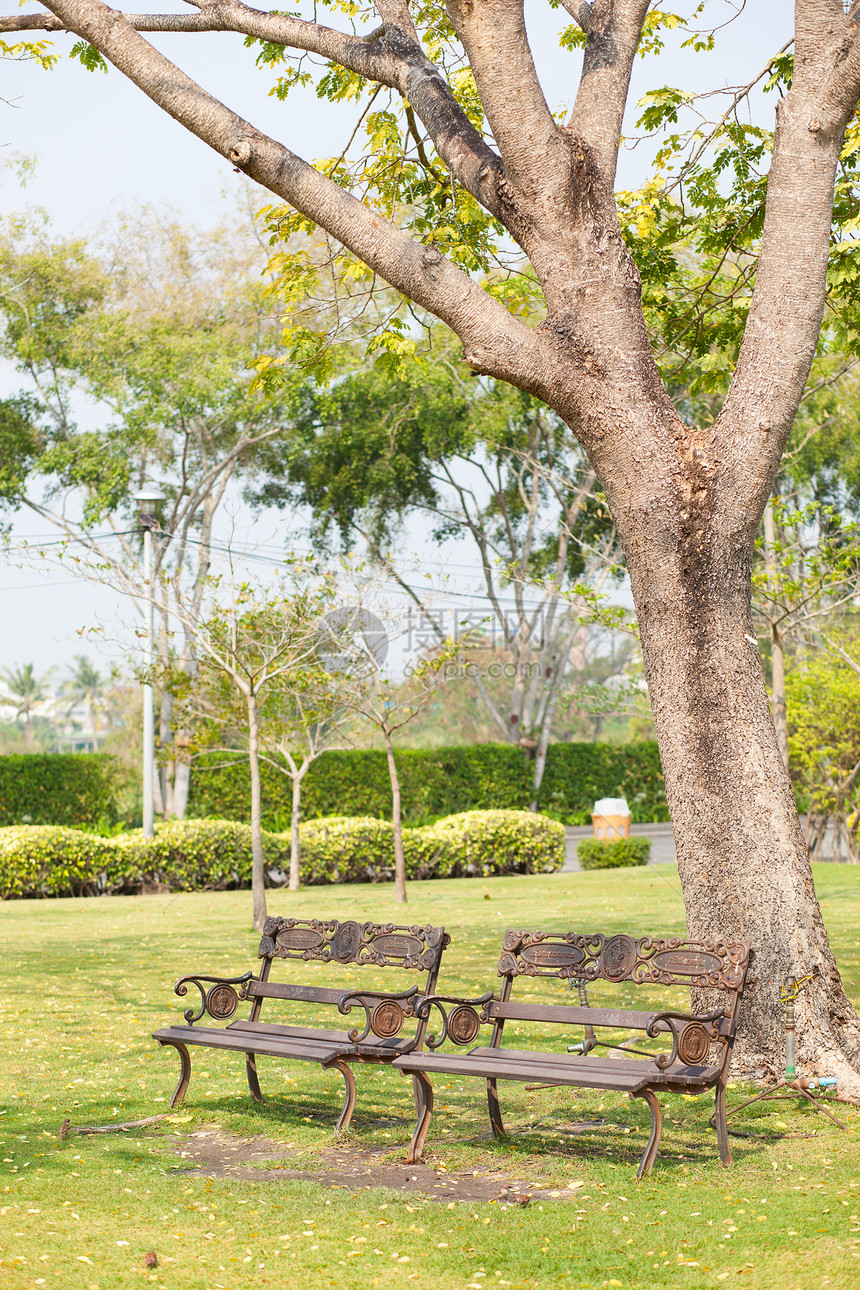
[44,860]
[595,853]
[197,855]
[59,788]
[441,782]
[485,843]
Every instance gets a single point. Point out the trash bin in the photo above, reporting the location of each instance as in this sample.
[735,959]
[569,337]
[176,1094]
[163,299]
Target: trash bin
[611,818]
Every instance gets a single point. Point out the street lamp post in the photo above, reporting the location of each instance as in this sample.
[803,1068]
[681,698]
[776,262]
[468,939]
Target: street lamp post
[146,501]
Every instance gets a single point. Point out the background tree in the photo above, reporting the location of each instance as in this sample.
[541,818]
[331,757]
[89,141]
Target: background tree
[157,332]
[808,572]
[382,704]
[26,693]
[483,462]
[714,275]
[88,687]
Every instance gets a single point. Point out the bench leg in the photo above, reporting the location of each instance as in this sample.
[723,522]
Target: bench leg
[184,1071]
[349,1100]
[656,1128]
[496,1123]
[253,1082]
[719,1123]
[423,1090]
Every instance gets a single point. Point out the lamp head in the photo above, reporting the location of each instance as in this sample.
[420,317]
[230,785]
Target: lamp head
[147,500]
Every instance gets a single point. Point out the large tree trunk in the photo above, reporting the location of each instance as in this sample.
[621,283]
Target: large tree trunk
[742,858]
[258,887]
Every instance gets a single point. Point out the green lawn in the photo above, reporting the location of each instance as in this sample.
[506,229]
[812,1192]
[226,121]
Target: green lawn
[85,982]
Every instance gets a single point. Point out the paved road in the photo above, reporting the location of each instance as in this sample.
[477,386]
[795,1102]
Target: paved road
[662,844]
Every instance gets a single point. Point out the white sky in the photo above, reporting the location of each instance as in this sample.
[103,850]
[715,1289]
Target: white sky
[101,147]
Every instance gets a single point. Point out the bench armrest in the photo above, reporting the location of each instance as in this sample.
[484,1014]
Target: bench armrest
[462,1023]
[691,1036]
[385,1017]
[221,1000]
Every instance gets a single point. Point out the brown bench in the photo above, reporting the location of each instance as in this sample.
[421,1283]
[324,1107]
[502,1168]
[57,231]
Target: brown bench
[701,1045]
[382,1037]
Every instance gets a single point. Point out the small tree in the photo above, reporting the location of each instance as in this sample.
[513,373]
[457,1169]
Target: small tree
[368,692]
[300,720]
[254,644]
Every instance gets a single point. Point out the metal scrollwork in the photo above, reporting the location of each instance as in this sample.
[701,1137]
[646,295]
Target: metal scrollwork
[221,1001]
[380,1010]
[666,960]
[461,1020]
[379,944]
[691,1036]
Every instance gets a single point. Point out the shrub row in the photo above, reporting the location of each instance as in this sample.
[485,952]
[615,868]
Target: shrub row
[195,855]
[82,789]
[59,788]
[596,853]
[441,782]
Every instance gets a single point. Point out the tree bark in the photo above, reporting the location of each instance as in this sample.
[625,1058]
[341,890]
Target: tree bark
[399,858]
[258,873]
[742,857]
[777,647]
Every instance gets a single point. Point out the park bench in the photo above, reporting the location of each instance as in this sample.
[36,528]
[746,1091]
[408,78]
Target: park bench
[701,1045]
[382,1037]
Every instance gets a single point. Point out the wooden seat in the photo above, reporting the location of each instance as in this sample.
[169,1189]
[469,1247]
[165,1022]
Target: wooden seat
[701,1045]
[383,1036]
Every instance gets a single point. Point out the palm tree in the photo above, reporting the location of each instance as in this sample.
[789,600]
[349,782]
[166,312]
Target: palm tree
[86,685]
[26,691]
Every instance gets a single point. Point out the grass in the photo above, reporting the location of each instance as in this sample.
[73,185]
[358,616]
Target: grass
[85,982]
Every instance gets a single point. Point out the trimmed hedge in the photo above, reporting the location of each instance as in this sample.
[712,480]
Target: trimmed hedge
[59,788]
[595,853]
[442,782]
[82,789]
[195,855]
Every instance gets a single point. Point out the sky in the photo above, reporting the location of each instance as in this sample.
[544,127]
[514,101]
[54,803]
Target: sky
[99,148]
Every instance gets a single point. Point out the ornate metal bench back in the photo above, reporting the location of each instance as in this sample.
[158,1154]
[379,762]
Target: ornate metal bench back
[413,947]
[641,960]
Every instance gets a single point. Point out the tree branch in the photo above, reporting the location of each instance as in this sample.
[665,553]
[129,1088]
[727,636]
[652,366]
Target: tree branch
[612,38]
[488,331]
[392,57]
[533,148]
[787,307]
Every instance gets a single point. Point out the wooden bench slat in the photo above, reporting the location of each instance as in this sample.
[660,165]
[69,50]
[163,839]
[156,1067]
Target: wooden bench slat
[629,1065]
[616,1018]
[291,1032]
[266,1045]
[368,1047]
[498,1068]
[301,993]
